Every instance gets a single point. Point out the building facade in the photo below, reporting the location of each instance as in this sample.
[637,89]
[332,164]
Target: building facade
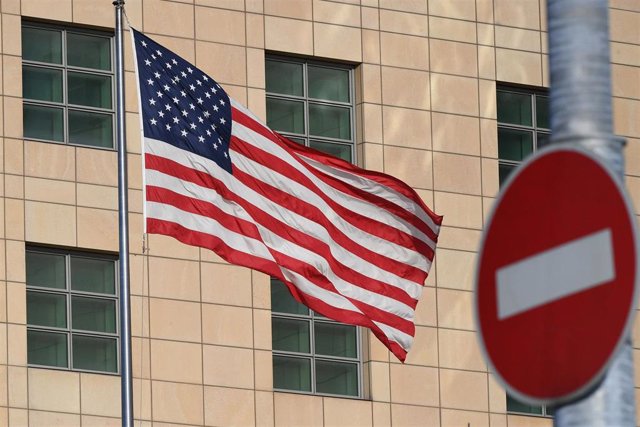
[447,95]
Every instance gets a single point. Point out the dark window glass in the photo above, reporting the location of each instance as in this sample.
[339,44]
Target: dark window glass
[89,89]
[514,108]
[43,122]
[290,335]
[88,51]
[336,377]
[282,301]
[328,121]
[47,349]
[291,373]
[89,128]
[333,339]
[93,314]
[92,275]
[285,116]
[514,144]
[42,45]
[341,151]
[542,112]
[329,84]
[284,78]
[46,309]
[45,270]
[95,354]
[42,84]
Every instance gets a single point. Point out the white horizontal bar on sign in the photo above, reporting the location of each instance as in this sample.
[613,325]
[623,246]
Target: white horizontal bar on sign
[556,273]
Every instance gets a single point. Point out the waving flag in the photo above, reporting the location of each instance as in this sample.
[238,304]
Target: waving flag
[351,244]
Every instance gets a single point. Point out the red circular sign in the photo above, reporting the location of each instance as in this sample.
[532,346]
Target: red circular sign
[556,276]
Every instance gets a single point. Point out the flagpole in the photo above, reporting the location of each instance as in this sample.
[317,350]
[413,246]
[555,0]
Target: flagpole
[126,383]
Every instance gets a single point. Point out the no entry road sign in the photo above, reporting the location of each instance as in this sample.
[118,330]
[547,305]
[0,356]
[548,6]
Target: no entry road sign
[557,276]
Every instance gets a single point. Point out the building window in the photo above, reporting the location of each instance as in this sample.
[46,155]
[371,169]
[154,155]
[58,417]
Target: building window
[311,353]
[72,319]
[517,407]
[312,103]
[523,125]
[67,85]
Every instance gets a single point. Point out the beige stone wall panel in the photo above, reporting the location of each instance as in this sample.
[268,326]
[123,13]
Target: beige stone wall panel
[168,18]
[400,50]
[406,127]
[227,325]
[177,403]
[404,23]
[464,390]
[414,416]
[296,410]
[459,313]
[347,412]
[59,10]
[230,407]
[453,94]
[456,269]
[278,37]
[526,15]
[452,29]
[451,417]
[175,320]
[52,390]
[349,47]
[414,385]
[409,165]
[50,223]
[454,58]
[91,12]
[219,25]
[515,66]
[413,6]
[625,117]
[456,134]
[517,38]
[97,228]
[459,350]
[176,361]
[44,419]
[405,88]
[336,13]
[456,9]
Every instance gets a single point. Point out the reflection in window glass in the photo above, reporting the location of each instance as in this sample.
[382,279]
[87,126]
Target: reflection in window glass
[514,108]
[43,122]
[44,84]
[291,373]
[329,121]
[89,51]
[284,78]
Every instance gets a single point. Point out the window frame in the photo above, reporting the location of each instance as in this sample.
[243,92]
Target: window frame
[533,129]
[68,293]
[312,318]
[307,100]
[544,409]
[65,68]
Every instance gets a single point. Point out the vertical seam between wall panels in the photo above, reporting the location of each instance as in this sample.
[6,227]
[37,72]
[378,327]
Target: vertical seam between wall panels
[201,302]
[433,194]
[481,171]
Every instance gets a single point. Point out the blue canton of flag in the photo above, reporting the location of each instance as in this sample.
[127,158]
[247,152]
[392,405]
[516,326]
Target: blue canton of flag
[181,105]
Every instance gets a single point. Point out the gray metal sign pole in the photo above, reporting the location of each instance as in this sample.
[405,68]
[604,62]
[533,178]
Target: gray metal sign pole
[126,382]
[581,114]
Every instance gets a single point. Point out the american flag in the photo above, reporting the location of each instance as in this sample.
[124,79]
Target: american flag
[353,245]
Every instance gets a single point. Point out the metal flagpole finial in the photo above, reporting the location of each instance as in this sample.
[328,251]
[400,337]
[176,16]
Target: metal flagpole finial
[118,3]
